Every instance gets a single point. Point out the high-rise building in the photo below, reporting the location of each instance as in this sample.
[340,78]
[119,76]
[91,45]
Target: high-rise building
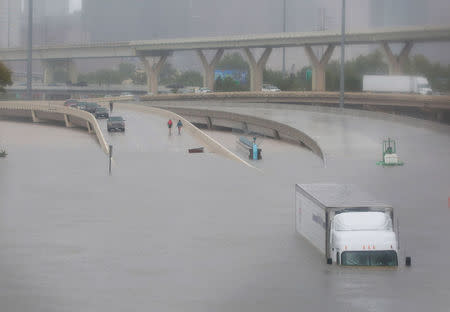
[388,13]
[10,21]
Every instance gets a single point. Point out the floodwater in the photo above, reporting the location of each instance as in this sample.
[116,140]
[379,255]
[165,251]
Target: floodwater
[172,231]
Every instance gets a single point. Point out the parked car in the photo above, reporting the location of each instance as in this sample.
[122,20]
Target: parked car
[203,90]
[81,105]
[71,103]
[91,107]
[80,84]
[116,123]
[101,112]
[126,94]
[270,88]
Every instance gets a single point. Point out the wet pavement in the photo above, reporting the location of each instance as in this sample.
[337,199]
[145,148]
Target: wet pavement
[172,231]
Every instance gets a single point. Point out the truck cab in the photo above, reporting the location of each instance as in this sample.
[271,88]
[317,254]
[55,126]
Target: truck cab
[363,239]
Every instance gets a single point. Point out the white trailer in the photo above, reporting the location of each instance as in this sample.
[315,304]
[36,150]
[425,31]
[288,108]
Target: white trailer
[396,84]
[346,225]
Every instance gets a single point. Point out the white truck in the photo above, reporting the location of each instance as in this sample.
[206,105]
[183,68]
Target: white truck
[396,84]
[346,225]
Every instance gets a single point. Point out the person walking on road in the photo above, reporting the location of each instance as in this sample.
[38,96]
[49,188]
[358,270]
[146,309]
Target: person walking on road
[169,124]
[111,104]
[179,125]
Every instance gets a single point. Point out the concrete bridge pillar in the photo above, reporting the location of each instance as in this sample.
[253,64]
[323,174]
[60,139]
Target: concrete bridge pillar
[152,70]
[51,66]
[34,117]
[67,121]
[318,67]
[208,68]
[396,62]
[257,68]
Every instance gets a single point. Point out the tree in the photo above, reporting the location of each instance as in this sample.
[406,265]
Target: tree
[354,71]
[232,61]
[189,78]
[5,77]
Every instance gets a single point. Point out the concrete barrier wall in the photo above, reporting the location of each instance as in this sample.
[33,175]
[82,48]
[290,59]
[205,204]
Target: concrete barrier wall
[264,126]
[55,111]
[425,102]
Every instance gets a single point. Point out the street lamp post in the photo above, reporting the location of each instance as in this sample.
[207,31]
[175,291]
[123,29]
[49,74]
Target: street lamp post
[284,30]
[30,49]
[341,97]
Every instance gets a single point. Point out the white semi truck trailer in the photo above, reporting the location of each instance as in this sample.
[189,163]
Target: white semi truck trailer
[346,225]
[396,84]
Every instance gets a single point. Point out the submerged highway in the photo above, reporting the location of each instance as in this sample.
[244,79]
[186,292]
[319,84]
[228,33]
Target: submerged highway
[173,231]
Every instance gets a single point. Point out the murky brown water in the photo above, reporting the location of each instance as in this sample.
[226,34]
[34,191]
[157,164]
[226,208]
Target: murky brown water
[170,231]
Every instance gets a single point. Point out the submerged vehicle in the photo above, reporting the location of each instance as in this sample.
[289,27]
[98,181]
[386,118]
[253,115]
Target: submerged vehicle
[101,112]
[347,225]
[116,123]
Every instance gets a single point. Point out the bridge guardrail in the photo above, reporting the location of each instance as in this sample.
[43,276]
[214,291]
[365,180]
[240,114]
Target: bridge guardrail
[321,98]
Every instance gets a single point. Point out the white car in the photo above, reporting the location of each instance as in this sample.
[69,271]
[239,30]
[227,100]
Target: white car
[126,94]
[269,88]
[203,90]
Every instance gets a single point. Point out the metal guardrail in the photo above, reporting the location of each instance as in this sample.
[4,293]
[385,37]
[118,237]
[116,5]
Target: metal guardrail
[57,107]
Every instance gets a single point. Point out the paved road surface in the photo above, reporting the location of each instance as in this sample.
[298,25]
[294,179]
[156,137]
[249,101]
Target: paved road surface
[171,231]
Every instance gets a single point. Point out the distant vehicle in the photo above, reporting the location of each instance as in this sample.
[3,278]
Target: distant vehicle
[81,105]
[91,107]
[116,123]
[186,90]
[126,94]
[346,225]
[80,84]
[203,90]
[396,84]
[101,112]
[269,88]
[71,102]
[108,96]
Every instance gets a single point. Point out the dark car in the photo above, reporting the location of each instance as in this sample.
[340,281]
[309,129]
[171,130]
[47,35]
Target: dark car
[71,102]
[116,123]
[91,107]
[101,112]
[82,106]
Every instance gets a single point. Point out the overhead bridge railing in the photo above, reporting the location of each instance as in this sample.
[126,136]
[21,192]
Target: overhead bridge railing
[42,111]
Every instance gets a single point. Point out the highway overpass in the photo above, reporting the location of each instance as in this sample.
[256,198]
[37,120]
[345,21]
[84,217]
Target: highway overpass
[154,53]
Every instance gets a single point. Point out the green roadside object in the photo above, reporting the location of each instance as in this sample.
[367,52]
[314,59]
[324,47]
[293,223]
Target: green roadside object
[308,74]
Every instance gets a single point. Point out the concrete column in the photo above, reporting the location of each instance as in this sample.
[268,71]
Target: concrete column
[153,69]
[318,67]
[396,62]
[71,71]
[49,71]
[67,121]
[51,66]
[33,117]
[89,127]
[208,77]
[257,68]
[208,68]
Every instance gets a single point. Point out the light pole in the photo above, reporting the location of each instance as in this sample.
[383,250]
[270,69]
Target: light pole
[341,97]
[30,49]
[284,30]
